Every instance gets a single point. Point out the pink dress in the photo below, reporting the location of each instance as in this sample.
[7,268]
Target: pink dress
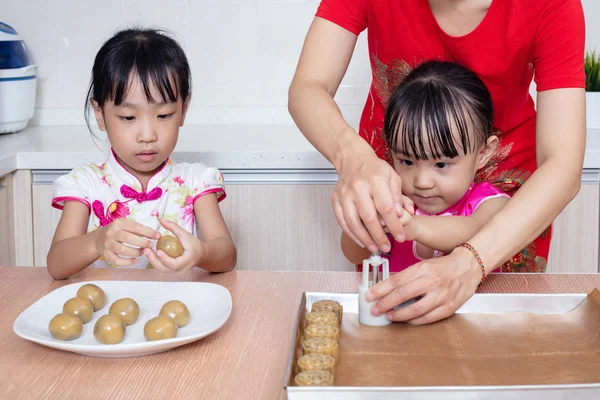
[404,254]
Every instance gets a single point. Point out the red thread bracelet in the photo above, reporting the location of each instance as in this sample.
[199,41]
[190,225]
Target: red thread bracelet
[476,255]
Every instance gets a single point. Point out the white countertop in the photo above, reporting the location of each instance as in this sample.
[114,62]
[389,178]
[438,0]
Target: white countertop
[228,147]
[221,146]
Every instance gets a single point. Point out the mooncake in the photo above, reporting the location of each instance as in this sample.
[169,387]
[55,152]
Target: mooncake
[322,317]
[316,362]
[329,305]
[329,347]
[314,378]
[322,331]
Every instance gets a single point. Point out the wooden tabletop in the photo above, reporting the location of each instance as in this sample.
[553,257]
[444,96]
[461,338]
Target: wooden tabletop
[245,359]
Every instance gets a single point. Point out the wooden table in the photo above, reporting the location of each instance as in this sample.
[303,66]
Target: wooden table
[245,359]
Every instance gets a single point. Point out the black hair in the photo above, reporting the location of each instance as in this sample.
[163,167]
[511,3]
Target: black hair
[434,99]
[158,60]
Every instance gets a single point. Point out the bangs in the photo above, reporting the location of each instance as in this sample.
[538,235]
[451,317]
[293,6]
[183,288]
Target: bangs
[432,122]
[151,55]
[439,110]
[153,75]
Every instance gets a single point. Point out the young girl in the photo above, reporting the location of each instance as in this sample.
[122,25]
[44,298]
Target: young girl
[438,124]
[114,211]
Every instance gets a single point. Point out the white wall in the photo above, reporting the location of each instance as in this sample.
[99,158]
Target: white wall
[592,22]
[242,52]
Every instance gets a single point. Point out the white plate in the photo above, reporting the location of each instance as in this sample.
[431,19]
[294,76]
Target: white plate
[209,305]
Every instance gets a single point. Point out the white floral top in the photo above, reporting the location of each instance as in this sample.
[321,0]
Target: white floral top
[111,192]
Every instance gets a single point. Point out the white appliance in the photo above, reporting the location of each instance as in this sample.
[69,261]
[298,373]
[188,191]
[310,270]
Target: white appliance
[17,81]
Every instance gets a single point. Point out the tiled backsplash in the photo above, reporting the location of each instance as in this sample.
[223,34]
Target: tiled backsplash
[243,52]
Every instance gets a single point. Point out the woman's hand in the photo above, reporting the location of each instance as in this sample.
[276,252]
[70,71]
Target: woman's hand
[368,191]
[445,283]
[115,240]
[193,251]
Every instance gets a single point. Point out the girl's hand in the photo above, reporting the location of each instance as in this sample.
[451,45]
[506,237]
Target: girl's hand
[114,241]
[445,283]
[408,205]
[193,251]
[410,226]
[368,189]
[405,219]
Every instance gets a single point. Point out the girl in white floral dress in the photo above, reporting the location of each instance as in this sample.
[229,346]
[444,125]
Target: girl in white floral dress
[114,211]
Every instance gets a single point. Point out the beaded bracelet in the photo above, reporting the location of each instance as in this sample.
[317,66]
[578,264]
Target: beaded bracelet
[476,255]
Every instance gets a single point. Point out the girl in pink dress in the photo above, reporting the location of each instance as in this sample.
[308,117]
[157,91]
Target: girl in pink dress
[438,125]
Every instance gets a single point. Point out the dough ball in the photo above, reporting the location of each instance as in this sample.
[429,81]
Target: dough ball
[94,294]
[176,310]
[109,329]
[65,327]
[161,327]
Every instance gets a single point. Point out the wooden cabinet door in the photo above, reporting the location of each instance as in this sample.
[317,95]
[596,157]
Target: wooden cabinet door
[5,233]
[284,227]
[574,246]
[45,220]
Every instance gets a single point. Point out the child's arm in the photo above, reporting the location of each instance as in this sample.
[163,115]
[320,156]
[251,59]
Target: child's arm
[353,252]
[444,233]
[215,252]
[220,254]
[63,260]
[73,250]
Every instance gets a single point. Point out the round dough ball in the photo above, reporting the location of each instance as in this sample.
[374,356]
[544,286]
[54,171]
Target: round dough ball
[176,310]
[161,327]
[109,329]
[94,294]
[65,327]
[127,309]
[79,307]
[170,245]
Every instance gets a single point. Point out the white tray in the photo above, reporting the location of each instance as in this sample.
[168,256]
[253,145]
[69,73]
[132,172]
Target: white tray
[478,303]
[209,305]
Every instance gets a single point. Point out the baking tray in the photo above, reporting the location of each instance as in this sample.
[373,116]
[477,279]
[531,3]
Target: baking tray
[498,346]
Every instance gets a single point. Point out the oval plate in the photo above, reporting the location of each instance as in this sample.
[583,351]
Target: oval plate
[209,304]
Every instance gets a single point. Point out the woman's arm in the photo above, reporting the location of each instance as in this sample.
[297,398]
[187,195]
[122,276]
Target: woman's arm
[367,186]
[560,146]
[317,78]
[444,233]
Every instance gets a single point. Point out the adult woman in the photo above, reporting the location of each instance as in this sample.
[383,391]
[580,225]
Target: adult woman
[541,154]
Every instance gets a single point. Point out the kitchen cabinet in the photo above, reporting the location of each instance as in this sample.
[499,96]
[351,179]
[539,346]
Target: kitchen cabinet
[45,220]
[16,218]
[574,246]
[283,226]
[274,226]
[6,245]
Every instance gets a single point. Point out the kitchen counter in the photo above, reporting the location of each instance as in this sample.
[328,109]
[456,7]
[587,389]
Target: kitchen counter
[246,359]
[228,147]
[223,146]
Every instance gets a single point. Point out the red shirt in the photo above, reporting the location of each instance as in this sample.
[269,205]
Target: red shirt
[517,40]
